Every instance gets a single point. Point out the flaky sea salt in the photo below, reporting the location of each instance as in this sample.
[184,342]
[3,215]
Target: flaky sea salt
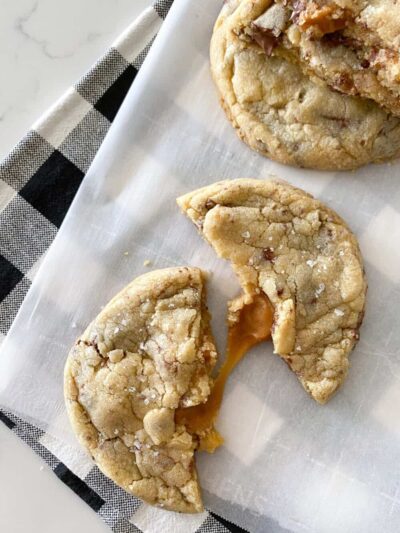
[311,263]
[246,235]
[339,312]
[321,288]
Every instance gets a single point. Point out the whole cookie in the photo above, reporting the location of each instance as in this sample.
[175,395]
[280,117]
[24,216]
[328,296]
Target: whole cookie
[148,352]
[278,104]
[301,254]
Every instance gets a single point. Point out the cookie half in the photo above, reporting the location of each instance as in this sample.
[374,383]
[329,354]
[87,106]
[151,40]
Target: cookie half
[289,246]
[278,104]
[147,353]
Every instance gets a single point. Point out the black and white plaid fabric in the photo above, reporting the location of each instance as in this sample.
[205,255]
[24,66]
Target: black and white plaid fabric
[39,180]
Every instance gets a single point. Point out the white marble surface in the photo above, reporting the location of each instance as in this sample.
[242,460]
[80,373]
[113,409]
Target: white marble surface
[45,46]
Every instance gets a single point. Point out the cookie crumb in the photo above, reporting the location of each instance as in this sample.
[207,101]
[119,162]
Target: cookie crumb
[146,262]
[126,253]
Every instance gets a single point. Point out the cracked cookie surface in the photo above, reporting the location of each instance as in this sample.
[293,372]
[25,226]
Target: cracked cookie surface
[147,353]
[301,254]
[282,89]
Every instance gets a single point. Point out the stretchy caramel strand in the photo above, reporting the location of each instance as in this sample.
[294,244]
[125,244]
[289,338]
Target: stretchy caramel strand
[252,327]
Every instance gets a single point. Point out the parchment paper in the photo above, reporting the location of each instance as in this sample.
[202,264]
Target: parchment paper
[309,468]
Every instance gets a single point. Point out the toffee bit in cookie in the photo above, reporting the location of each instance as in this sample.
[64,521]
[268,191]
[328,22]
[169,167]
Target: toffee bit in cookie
[265,39]
[268,254]
[318,21]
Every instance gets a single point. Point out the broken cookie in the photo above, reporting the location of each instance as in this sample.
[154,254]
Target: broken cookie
[289,247]
[149,352]
[304,83]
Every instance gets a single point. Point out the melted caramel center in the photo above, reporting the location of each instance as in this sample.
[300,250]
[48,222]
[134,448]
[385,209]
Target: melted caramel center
[252,327]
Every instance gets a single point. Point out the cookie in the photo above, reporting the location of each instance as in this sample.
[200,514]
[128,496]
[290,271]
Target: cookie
[336,44]
[289,246]
[282,104]
[148,352]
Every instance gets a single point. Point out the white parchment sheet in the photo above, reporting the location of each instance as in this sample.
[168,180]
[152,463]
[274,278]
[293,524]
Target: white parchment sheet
[308,468]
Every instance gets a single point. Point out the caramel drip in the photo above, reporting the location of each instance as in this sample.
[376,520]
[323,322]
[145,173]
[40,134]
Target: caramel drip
[252,327]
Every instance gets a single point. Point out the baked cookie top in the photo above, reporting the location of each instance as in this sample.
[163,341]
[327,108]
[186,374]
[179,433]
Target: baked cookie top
[301,254]
[148,352]
[283,89]
[347,46]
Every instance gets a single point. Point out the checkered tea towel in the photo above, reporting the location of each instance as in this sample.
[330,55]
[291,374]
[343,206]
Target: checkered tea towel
[39,180]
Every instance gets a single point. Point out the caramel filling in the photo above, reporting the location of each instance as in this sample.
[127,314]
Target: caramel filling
[322,21]
[252,327]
